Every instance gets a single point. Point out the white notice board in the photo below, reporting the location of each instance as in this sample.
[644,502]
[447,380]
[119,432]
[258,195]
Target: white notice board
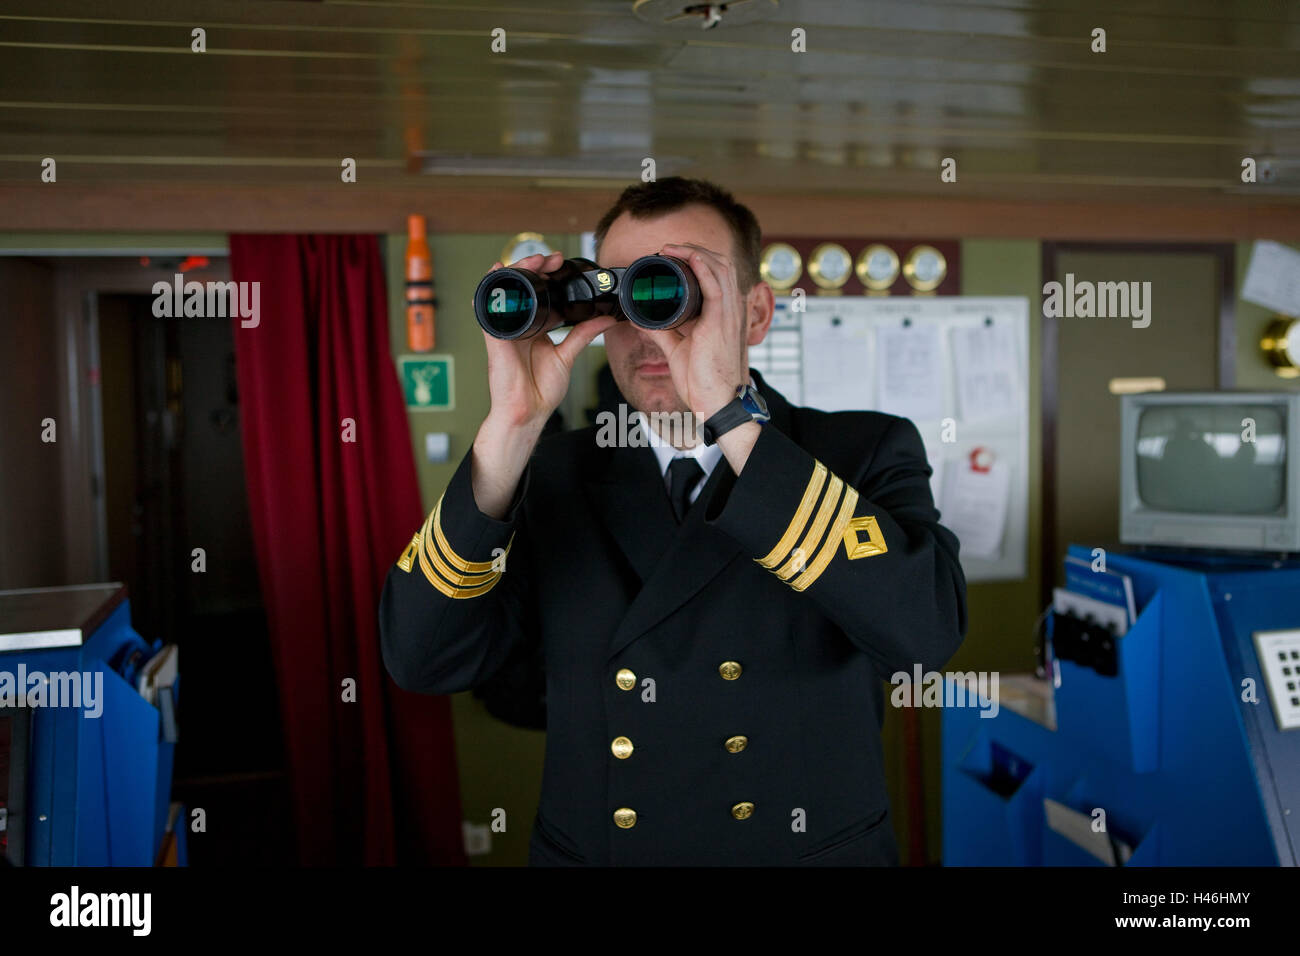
[958,368]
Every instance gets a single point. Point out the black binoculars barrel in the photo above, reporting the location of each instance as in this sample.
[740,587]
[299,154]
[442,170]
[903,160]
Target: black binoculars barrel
[509,303]
[654,292]
[518,303]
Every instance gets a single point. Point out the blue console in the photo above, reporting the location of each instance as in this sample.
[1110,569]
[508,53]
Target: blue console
[90,784]
[1187,755]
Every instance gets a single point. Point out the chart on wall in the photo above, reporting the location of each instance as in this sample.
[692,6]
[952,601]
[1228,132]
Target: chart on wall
[958,368]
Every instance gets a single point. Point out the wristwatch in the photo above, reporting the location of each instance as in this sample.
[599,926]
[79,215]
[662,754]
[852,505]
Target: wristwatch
[747,406]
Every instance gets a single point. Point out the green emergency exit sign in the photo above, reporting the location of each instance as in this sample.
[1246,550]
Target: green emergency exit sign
[427,382]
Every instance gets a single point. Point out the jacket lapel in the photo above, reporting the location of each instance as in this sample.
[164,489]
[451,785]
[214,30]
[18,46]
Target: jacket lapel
[627,491]
[674,562]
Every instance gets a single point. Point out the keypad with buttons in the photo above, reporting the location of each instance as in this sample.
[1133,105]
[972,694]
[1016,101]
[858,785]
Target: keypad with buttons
[1279,655]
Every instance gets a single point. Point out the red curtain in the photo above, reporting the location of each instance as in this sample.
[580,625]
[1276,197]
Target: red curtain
[334,499]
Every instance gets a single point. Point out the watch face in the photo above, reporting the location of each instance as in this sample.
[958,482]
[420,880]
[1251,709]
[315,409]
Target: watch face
[877,267]
[830,265]
[925,268]
[880,264]
[781,266]
[754,403]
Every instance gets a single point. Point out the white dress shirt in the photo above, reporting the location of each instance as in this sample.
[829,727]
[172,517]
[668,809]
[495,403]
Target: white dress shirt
[707,455]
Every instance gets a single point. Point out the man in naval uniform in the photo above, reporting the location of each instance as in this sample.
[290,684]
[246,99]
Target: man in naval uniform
[715,620]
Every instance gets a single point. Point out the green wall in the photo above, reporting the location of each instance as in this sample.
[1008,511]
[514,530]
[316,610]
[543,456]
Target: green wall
[1002,613]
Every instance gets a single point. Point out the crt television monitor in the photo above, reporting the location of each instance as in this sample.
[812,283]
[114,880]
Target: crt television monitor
[1211,470]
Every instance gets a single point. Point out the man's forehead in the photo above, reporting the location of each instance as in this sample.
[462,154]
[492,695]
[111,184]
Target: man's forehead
[629,238]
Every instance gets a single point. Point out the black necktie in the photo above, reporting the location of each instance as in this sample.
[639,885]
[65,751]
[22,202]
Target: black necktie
[683,473]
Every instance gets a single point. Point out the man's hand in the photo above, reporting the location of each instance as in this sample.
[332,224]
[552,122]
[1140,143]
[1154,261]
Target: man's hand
[527,380]
[706,356]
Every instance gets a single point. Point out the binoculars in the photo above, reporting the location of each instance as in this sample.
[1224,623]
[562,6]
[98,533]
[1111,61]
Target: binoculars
[654,292]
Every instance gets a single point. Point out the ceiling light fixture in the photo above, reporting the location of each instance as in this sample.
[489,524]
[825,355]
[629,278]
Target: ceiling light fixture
[707,16]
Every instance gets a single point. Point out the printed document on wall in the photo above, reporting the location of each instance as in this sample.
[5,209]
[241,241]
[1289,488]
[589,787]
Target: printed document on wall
[836,363]
[910,372]
[984,360]
[975,505]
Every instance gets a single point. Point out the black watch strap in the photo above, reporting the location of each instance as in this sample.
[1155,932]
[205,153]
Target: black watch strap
[729,416]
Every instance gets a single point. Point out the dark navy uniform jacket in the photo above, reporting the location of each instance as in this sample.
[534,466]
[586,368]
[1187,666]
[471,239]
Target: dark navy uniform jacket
[713,689]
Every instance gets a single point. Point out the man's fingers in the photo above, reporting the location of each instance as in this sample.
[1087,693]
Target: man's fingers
[540,263]
[499,351]
[711,271]
[552,262]
[708,274]
[581,336]
[668,340]
[717,289]
[694,253]
[682,250]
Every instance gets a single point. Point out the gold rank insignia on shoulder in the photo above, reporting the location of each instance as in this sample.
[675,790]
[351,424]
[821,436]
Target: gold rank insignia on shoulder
[875,543]
[822,532]
[451,574]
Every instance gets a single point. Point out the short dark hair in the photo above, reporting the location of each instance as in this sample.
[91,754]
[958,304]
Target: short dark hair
[648,200]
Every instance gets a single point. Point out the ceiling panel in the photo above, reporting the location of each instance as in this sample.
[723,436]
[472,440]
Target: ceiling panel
[1010,89]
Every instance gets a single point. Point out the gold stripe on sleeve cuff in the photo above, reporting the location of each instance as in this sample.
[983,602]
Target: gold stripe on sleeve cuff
[796,526]
[457,578]
[799,558]
[469,578]
[830,545]
[448,589]
[454,559]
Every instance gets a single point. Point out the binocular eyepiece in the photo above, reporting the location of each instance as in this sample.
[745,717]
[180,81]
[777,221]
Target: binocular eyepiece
[654,292]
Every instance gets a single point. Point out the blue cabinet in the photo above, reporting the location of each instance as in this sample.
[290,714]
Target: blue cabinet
[97,765]
[1176,760]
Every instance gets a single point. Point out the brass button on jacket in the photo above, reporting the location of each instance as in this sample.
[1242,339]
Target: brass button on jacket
[736,744]
[621,747]
[625,817]
[743,811]
[729,670]
[625,679]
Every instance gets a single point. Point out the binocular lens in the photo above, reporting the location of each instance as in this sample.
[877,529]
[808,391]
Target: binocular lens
[657,292]
[510,305]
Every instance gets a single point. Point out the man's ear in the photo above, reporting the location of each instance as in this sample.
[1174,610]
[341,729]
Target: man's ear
[759,305]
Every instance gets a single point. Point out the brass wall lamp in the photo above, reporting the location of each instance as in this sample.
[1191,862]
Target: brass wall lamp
[1281,346]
